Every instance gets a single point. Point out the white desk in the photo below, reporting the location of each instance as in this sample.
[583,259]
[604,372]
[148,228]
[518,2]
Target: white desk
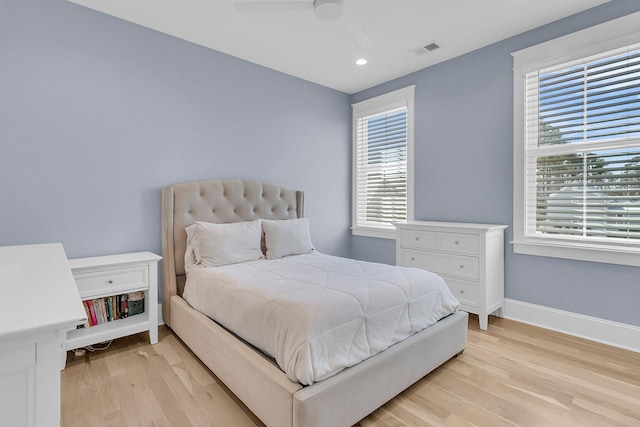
[40,303]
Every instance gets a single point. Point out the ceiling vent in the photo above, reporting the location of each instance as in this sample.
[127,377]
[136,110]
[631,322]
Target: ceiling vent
[429,47]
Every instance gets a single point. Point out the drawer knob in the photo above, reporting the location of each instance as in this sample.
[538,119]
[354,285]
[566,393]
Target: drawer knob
[110,281]
[417,238]
[461,265]
[413,258]
[456,242]
[462,292]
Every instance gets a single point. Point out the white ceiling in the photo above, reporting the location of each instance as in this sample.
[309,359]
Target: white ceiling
[300,44]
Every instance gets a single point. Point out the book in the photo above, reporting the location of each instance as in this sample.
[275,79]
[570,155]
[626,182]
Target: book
[109,309]
[92,312]
[114,307]
[103,316]
[86,310]
[126,305]
[96,308]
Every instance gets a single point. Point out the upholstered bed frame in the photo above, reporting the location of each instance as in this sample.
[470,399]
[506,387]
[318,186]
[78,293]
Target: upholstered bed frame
[341,400]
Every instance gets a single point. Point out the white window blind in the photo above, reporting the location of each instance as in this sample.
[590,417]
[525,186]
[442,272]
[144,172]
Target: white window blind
[382,163]
[382,168]
[582,150]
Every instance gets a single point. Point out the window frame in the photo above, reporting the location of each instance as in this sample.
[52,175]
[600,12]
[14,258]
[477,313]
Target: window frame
[404,97]
[601,38]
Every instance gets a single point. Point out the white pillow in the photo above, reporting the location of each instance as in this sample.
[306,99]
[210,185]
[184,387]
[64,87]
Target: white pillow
[222,244]
[287,237]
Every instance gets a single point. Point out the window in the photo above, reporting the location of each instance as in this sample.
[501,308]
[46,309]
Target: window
[383,163]
[577,146]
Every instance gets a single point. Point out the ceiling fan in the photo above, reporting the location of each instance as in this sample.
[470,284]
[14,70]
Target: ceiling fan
[326,10]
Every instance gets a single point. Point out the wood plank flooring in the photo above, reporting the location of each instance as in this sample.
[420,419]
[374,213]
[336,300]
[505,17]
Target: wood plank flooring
[511,375]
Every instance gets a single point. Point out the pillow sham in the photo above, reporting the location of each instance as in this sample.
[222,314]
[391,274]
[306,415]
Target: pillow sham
[190,258]
[287,237]
[223,244]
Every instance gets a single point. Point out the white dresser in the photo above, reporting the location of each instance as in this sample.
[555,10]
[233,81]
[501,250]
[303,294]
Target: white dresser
[470,258]
[40,303]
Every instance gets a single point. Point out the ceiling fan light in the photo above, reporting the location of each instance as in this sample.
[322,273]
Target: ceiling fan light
[328,10]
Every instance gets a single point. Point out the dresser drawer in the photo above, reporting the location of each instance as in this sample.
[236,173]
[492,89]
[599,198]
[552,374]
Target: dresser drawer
[110,282]
[465,292]
[418,239]
[457,242]
[446,264]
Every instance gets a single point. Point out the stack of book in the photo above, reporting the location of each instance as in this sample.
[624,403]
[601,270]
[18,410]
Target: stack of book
[107,309]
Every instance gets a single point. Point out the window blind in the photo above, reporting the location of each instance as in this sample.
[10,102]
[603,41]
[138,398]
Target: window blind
[381,168]
[582,155]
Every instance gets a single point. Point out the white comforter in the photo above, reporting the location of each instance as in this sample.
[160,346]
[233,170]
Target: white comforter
[317,314]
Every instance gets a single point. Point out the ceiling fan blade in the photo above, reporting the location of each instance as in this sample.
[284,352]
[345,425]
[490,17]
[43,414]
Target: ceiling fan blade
[273,5]
[351,28]
[356,32]
[273,1]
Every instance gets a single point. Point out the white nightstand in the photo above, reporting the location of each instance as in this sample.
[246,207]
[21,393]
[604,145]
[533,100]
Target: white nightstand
[105,276]
[469,257]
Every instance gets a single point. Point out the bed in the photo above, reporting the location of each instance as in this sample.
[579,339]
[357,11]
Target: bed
[340,400]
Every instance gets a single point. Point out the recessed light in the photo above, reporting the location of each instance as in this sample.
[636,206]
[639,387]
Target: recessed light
[361,61]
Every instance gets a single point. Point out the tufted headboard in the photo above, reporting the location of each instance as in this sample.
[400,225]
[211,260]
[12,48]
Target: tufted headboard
[219,201]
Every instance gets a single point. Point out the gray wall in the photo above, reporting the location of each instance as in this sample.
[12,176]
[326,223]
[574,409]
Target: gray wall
[463,161]
[97,114]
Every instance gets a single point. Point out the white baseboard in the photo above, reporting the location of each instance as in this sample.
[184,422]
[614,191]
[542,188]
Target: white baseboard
[592,328]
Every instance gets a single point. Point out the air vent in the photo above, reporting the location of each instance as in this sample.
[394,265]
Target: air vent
[429,47]
[432,46]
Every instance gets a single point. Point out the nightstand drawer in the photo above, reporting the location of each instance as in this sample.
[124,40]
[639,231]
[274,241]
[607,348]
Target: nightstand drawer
[445,264]
[457,242]
[109,282]
[418,239]
[465,292]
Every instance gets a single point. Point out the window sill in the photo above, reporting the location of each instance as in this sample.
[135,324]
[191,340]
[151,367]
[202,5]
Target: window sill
[381,233]
[611,255]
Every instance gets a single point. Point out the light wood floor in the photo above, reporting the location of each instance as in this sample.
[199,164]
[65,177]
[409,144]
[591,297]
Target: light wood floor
[510,375]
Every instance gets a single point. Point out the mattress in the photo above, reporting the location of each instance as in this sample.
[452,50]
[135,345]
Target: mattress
[317,314]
